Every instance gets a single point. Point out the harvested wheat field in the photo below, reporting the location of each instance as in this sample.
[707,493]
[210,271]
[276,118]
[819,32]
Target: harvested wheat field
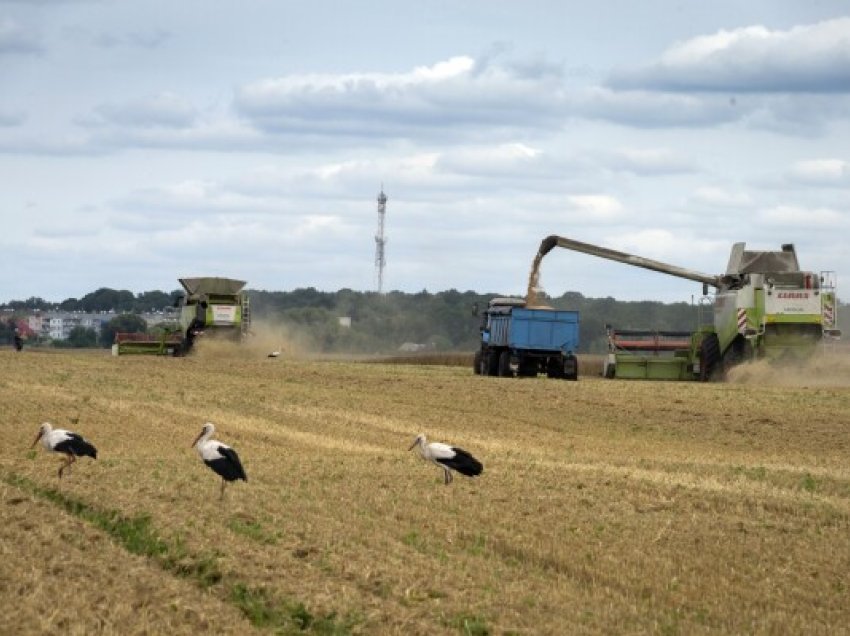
[604,506]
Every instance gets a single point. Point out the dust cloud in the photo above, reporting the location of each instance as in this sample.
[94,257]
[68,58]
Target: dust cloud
[263,339]
[823,369]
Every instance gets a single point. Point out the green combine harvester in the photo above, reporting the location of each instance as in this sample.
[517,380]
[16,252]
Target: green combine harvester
[210,308]
[764,306]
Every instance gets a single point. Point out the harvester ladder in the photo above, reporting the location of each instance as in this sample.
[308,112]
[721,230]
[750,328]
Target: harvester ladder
[827,281]
[246,314]
[830,312]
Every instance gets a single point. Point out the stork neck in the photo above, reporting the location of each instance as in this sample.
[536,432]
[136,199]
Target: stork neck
[203,439]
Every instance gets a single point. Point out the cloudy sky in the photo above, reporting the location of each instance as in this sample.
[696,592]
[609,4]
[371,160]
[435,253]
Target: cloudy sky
[145,141]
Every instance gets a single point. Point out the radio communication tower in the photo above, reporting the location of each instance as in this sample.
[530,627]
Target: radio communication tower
[380,241]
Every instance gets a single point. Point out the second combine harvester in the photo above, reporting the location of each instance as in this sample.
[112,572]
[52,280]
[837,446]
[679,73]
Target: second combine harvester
[765,306]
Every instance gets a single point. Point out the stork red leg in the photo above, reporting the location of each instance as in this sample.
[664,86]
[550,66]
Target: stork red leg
[69,459]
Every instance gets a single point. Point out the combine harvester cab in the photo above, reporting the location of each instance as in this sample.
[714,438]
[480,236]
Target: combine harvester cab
[213,307]
[523,341]
[764,306]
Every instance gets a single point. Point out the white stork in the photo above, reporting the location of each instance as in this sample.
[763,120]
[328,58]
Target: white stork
[274,354]
[448,458]
[220,457]
[58,440]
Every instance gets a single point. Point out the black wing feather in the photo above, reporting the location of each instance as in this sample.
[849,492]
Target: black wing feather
[463,462]
[233,468]
[76,445]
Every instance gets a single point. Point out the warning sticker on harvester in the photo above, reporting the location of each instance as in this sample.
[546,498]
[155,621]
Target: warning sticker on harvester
[224,314]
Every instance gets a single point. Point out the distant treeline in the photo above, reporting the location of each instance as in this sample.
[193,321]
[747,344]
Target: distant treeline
[443,321]
[381,323]
[103,299]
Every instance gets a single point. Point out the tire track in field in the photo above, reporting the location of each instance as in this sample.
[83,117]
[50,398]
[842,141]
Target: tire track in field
[693,482]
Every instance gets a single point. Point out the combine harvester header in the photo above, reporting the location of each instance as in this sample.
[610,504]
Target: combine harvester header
[764,306]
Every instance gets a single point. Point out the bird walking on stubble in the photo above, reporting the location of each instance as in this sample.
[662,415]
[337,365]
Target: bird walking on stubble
[220,457]
[58,440]
[275,353]
[448,458]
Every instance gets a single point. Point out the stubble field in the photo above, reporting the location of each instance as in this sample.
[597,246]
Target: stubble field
[604,507]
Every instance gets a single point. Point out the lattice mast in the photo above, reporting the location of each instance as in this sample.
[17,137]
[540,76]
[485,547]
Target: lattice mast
[380,241]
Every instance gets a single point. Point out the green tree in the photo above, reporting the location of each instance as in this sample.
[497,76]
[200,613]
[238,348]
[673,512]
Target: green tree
[69,304]
[125,323]
[152,301]
[82,337]
[106,299]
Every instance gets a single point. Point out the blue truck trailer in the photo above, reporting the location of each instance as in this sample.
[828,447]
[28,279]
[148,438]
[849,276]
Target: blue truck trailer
[523,341]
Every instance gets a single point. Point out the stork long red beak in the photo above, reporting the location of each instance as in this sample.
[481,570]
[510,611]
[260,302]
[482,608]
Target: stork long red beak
[37,437]
[200,435]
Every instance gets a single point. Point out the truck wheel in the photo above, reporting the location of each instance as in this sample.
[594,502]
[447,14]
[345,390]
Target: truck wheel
[554,368]
[491,360]
[527,367]
[476,363]
[505,365]
[570,366]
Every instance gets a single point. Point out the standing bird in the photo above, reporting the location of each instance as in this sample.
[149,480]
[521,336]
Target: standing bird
[220,457]
[59,440]
[448,458]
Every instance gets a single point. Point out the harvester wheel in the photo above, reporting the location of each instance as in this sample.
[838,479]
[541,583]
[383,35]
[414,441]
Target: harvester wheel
[739,351]
[709,358]
[505,365]
[477,367]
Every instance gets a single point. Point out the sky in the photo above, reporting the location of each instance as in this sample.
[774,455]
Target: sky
[142,142]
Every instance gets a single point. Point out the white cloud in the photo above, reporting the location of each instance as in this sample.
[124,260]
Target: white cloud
[596,207]
[808,58]
[510,159]
[453,98]
[15,38]
[680,248]
[647,109]
[193,197]
[163,110]
[10,118]
[804,218]
[721,197]
[821,172]
[650,161]
[143,39]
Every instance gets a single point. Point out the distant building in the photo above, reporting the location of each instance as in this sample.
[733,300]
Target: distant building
[57,325]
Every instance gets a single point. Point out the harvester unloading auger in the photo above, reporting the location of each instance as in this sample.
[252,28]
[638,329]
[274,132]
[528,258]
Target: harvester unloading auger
[764,306]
